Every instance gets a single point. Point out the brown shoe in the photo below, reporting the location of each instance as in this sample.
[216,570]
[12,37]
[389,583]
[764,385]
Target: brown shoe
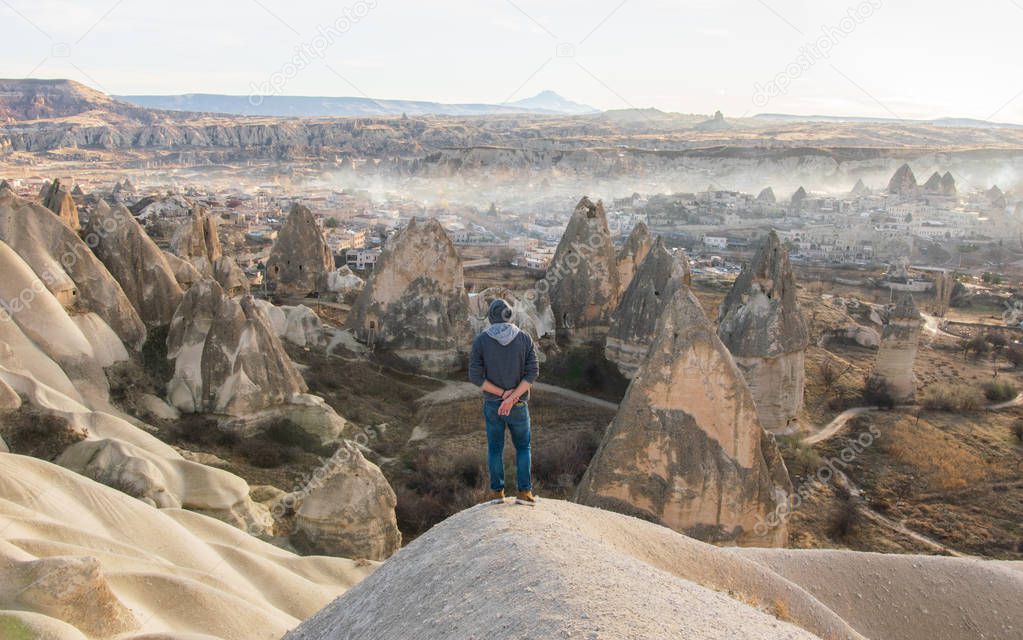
[495,497]
[526,498]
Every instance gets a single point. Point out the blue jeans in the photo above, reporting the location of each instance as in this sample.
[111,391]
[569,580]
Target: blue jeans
[517,423]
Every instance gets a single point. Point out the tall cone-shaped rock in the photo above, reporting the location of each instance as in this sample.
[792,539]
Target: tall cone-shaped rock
[583,276]
[136,263]
[948,184]
[762,326]
[197,241]
[633,324]
[58,200]
[893,366]
[632,253]
[859,189]
[767,195]
[933,184]
[227,358]
[686,448]
[903,181]
[300,258]
[68,267]
[414,303]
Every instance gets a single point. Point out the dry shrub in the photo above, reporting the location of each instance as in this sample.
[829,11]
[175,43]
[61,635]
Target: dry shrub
[845,517]
[30,432]
[946,397]
[941,463]
[265,454]
[876,392]
[999,390]
[562,463]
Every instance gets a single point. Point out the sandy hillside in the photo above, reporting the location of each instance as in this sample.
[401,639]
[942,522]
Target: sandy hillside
[562,570]
[81,560]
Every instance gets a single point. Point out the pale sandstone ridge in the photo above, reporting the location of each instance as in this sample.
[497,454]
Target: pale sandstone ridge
[67,266]
[80,560]
[414,303]
[349,512]
[300,258]
[633,324]
[138,265]
[632,254]
[227,358]
[490,569]
[686,448]
[583,277]
[762,326]
[57,199]
[900,337]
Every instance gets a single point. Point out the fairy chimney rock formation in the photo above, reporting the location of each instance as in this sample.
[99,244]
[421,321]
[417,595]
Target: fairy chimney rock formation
[197,241]
[58,200]
[903,181]
[948,184]
[226,357]
[414,303]
[300,258]
[686,448]
[632,253]
[762,326]
[583,277]
[767,195]
[138,265]
[893,366]
[633,324]
[859,189]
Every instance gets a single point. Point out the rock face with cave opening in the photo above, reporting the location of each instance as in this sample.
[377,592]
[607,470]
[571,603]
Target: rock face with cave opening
[300,259]
[686,448]
[893,366]
[414,304]
[633,324]
[761,324]
[583,278]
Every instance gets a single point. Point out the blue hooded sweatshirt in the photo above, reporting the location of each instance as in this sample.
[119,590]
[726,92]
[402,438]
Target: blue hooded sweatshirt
[503,353]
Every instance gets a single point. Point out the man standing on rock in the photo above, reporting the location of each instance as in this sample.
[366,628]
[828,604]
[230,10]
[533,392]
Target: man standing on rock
[503,364]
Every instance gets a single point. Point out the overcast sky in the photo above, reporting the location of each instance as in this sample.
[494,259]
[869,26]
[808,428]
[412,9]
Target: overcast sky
[895,58]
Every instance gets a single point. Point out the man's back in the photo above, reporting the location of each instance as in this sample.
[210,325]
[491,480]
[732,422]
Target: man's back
[505,365]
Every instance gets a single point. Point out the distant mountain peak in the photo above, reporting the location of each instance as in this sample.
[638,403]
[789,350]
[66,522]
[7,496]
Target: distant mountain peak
[548,100]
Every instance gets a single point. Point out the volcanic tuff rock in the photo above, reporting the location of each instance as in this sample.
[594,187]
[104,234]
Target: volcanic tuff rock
[136,263]
[948,184]
[349,512]
[762,326]
[414,302]
[767,195]
[197,241]
[230,276]
[57,199]
[632,254]
[300,258]
[903,181]
[859,189]
[893,366]
[798,196]
[996,197]
[633,323]
[227,359]
[67,266]
[686,448]
[583,277]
